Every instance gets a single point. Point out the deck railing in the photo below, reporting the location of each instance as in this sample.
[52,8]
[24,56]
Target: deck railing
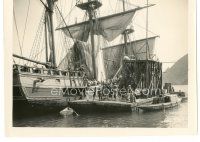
[44,71]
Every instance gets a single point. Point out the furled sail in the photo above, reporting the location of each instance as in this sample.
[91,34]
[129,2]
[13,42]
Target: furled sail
[136,49]
[109,26]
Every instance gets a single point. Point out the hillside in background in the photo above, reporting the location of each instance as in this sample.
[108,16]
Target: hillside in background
[178,73]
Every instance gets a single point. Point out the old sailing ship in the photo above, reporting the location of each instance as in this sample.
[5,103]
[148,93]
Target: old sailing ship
[34,86]
[129,63]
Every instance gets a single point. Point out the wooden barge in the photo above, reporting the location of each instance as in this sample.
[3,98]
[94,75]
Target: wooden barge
[85,106]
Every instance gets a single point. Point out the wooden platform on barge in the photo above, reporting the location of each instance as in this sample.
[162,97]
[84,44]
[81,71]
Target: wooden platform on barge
[84,106]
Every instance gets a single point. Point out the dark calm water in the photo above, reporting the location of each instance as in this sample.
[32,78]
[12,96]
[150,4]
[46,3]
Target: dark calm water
[172,118]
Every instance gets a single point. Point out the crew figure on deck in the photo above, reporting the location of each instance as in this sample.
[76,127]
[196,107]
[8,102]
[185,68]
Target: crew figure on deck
[129,93]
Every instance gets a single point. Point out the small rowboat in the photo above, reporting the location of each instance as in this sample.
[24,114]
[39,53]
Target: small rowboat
[161,103]
[67,111]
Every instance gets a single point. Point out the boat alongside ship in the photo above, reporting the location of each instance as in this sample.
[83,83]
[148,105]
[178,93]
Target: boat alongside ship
[170,89]
[162,103]
[96,106]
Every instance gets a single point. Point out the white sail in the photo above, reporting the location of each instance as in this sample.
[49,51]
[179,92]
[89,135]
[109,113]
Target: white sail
[136,49]
[111,55]
[109,26]
[78,31]
[112,26]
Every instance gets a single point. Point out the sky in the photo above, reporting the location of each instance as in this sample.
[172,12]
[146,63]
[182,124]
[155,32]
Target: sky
[168,19]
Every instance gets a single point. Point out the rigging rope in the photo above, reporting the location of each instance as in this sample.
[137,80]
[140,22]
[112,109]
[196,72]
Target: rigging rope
[25,24]
[14,61]
[145,29]
[39,52]
[131,4]
[38,42]
[62,23]
[59,42]
[65,24]
[116,6]
[111,6]
[43,44]
[37,37]
[65,43]
[17,31]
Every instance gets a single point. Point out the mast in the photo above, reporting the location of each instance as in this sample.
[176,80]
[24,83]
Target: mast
[125,34]
[147,24]
[45,32]
[147,78]
[49,10]
[90,12]
[123,5]
[90,6]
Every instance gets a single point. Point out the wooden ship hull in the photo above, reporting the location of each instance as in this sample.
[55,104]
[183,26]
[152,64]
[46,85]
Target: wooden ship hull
[40,92]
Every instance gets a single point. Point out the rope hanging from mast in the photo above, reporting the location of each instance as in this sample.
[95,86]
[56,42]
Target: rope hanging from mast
[34,50]
[111,6]
[72,8]
[25,23]
[35,47]
[65,40]
[17,32]
[65,23]
[15,21]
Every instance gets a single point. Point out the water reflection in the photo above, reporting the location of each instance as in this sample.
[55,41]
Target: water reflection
[176,117]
